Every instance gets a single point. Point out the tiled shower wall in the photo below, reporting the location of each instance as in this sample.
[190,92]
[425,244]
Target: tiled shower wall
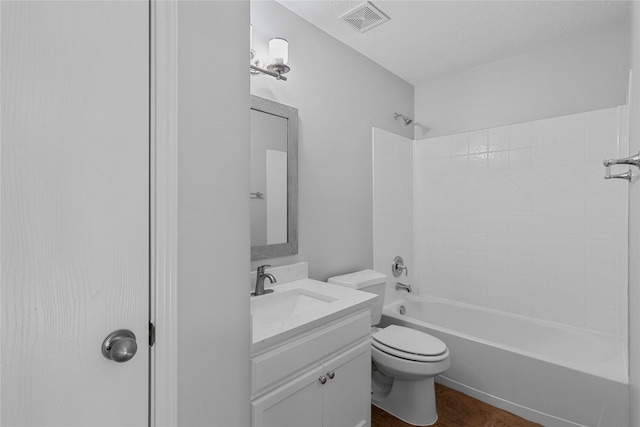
[392,206]
[520,219]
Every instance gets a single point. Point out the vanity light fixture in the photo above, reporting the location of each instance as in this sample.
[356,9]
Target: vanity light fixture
[278,58]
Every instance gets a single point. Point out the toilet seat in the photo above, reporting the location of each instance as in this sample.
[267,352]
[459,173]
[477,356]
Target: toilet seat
[409,356]
[410,344]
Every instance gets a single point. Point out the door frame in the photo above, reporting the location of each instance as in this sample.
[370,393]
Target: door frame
[163,128]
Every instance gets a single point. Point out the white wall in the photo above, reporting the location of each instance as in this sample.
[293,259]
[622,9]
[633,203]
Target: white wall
[581,75]
[519,219]
[213,229]
[340,95]
[393,195]
[634,223]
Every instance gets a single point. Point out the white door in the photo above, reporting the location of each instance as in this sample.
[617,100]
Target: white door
[74,187]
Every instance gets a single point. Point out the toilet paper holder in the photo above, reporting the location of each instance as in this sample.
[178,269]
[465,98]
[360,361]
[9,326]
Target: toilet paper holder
[626,175]
[631,160]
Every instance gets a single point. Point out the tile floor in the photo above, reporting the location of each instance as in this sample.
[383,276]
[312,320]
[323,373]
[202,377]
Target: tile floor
[457,410]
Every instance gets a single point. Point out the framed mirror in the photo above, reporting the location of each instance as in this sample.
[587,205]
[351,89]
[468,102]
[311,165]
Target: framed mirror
[274,179]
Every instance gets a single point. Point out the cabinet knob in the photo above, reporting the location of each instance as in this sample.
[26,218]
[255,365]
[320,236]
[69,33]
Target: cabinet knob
[331,374]
[322,379]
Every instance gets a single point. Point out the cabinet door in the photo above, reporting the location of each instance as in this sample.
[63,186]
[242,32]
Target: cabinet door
[295,404]
[347,396]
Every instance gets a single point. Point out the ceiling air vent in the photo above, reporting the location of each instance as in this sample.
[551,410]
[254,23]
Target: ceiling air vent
[364,17]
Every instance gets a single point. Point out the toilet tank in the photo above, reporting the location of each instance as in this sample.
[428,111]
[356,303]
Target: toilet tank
[368,281]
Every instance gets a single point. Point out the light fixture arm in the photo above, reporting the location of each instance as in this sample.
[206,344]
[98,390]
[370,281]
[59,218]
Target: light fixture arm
[275,74]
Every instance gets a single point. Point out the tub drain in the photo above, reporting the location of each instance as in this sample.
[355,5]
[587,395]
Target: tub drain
[402,310]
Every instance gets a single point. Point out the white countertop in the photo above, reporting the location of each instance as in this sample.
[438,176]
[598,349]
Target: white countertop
[346,301]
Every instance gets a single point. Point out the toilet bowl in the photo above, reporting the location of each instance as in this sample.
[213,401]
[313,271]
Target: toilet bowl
[405,361]
[412,359]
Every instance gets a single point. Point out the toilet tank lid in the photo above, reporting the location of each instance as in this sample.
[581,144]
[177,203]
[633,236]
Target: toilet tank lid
[359,279]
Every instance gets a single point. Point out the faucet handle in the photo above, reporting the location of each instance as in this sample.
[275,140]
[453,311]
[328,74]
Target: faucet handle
[260,269]
[397,266]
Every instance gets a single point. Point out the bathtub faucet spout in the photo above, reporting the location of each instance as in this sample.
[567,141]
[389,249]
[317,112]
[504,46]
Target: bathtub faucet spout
[403,287]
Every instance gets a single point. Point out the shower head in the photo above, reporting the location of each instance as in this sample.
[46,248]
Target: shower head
[407,120]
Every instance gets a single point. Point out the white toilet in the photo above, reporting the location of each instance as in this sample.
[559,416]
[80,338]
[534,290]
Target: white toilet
[407,360]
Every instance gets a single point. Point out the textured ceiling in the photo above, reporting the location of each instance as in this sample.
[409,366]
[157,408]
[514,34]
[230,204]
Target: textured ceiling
[425,40]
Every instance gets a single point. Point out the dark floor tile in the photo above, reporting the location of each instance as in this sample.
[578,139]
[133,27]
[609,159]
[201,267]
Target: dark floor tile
[443,422]
[461,409]
[502,418]
[380,418]
[456,409]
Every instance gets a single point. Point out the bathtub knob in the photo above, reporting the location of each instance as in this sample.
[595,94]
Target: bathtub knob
[331,374]
[397,267]
[322,379]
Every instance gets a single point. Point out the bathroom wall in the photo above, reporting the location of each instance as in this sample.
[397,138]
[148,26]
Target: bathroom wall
[392,207]
[519,219]
[340,95]
[634,223]
[213,215]
[579,75]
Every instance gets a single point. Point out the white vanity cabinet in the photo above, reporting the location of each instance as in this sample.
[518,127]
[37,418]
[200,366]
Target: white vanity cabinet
[322,378]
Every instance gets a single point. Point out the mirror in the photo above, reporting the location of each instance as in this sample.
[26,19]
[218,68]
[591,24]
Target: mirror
[274,179]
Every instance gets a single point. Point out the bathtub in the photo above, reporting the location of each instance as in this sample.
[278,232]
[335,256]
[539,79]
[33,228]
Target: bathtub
[545,372]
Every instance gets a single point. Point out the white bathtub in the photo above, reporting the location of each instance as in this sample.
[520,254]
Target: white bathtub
[547,373]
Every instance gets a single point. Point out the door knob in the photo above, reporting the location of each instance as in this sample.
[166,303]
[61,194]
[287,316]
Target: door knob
[120,346]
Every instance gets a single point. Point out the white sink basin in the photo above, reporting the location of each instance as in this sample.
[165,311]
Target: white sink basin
[276,307]
[299,306]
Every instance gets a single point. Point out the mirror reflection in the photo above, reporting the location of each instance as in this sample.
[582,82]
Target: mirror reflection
[268,179]
[273,191]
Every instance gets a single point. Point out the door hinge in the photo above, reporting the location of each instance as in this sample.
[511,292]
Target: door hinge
[152,334]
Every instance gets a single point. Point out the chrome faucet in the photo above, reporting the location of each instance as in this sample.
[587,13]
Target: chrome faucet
[260,276]
[403,287]
[631,160]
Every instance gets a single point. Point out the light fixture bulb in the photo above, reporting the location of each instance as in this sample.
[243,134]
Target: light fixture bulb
[278,51]
[278,57]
